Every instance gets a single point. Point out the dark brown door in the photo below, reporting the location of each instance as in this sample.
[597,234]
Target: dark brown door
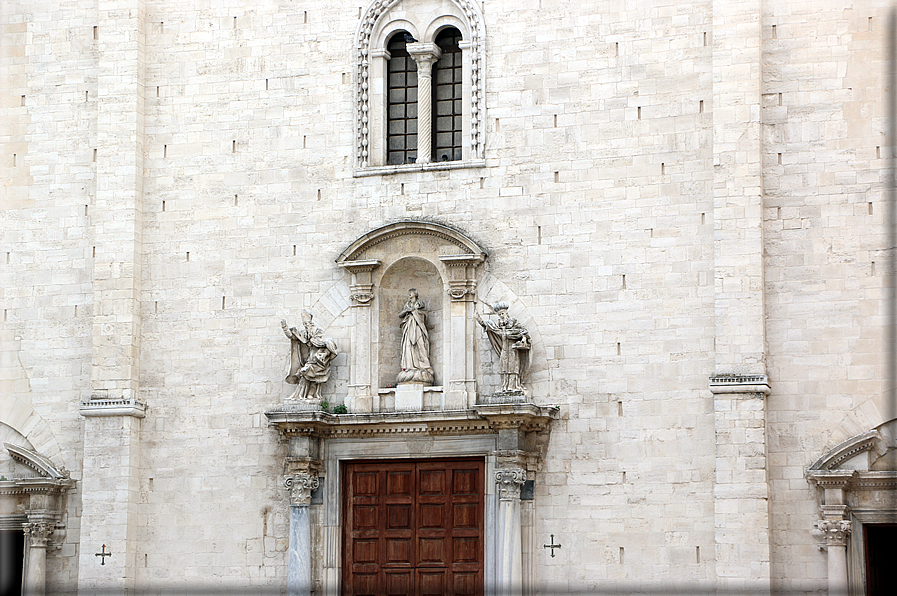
[881,554]
[413,527]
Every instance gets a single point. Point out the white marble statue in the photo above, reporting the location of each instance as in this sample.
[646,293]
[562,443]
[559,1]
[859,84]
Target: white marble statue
[310,357]
[512,343]
[416,366]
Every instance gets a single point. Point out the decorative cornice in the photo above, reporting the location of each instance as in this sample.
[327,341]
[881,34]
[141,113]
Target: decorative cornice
[34,460]
[831,478]
[874,481]
[462,260]
[433,166]
[508,482]
[362,266]
[350,256]
[113,407]
[849,449]
[739,384]
[480,420]
[301,486]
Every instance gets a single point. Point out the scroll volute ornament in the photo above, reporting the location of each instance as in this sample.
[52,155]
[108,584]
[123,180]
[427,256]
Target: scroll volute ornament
[301,486]
[509,482]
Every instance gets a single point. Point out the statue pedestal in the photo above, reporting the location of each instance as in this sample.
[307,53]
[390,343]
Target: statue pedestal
[504,397]
[409,397]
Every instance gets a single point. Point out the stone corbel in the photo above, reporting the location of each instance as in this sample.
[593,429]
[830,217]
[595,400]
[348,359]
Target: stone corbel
[462,276]
[750,384]
[361,290]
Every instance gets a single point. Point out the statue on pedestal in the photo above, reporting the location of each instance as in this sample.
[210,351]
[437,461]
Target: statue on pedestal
[416,366]
[512,343]
[310,357]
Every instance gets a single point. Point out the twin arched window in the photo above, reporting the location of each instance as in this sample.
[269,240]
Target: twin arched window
[444,118]
[419,102]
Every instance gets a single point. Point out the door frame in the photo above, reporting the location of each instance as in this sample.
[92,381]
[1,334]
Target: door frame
[337,451]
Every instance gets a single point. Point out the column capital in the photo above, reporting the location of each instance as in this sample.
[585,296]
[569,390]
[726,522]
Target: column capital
[301,486]
[509,481]
[835,531]
[425,54]
[39,533]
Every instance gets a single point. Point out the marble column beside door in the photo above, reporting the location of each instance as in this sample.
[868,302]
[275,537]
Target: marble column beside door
[299,570]
[509,559]
[34,582]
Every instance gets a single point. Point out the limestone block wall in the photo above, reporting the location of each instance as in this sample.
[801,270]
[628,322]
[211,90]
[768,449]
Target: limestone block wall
[824,224]
[595,205]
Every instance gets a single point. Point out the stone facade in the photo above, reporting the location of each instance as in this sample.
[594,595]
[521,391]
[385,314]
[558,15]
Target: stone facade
[683,205]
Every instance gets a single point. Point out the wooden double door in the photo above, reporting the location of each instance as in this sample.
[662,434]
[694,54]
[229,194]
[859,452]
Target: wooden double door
[413,527]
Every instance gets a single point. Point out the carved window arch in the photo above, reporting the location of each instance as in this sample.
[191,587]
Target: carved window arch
[424,22]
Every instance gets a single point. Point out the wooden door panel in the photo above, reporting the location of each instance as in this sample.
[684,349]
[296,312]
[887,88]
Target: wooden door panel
[431,516]
[399,582]
[465,550]
[431,582]
[398,516]
[430,551]
[466,482]
[467,584]
[432,482]
[413,527]
[399,552]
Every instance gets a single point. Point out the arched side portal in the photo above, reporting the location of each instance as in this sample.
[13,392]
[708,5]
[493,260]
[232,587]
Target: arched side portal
[857,486]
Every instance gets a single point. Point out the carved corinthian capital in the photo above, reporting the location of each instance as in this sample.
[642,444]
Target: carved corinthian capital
[301,487]
[835,531]
[509,482]
[38,533]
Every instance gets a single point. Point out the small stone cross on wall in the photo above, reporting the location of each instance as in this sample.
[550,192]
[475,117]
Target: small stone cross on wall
[552,546]
[103,554]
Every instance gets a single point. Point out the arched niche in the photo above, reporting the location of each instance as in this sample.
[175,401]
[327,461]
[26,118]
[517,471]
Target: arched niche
[404,274]
[443,265]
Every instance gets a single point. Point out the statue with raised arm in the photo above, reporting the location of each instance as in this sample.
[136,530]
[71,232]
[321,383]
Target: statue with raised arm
[310,356]
[512,343]
[415,342]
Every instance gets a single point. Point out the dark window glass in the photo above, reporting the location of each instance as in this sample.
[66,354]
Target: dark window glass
[401,111]
[447,97]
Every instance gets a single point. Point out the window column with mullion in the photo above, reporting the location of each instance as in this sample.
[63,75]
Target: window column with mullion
[425,55]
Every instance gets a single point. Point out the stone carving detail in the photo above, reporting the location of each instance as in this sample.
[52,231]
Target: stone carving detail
[362,295]
[39,533]
[415,342]
[835,531]
[362,76]
[509,482]
[301,486]
[310,357]
[512,343]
